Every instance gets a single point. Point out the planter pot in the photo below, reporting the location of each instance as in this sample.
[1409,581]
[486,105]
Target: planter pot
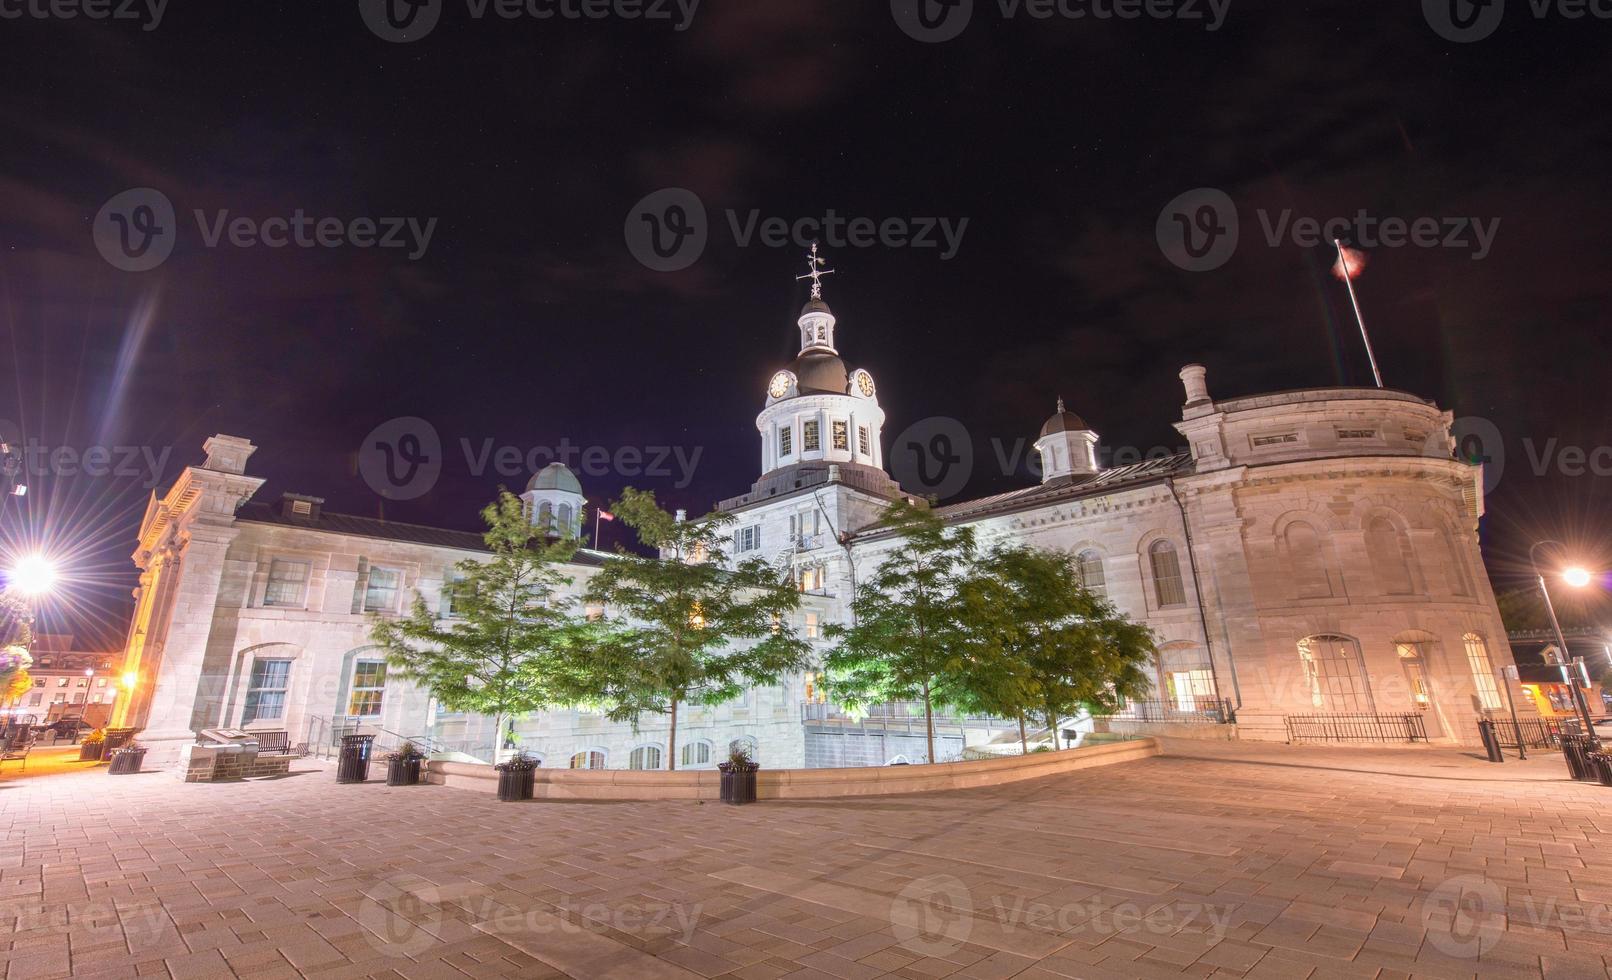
[91,751]
[403,771]
[738,784]
[516,781]
[126,761]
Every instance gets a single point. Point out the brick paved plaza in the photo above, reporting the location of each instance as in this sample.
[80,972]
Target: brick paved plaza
[1216,860]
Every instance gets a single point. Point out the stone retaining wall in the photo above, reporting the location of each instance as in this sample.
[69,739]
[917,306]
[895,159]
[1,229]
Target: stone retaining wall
[793,784]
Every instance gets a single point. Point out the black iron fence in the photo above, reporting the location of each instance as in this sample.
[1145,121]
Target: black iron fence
[1203,711]
[1532,733]
[1356,728]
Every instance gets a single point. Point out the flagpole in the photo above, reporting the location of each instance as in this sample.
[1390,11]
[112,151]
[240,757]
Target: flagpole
[1349,280]
[596,512]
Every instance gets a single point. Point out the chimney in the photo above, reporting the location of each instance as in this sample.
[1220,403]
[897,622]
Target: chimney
[227,454]
[300,509]
[1196,379]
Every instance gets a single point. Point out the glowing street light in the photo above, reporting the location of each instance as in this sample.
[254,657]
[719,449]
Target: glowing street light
[1578,578]
[34,575]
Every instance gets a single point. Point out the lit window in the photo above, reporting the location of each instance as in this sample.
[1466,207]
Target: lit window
[1477,657]
[265,691]
[696,754]
[381,589]
[1168,588]
[786,440]
[82,682]
[61,682]
[588,759]
[811,578]
[369,686]
[842,435]
[863,441]
[78,699]
[812,631]
[809,436]
[288,583]
[644,757]
[1089,565]
[1332,669]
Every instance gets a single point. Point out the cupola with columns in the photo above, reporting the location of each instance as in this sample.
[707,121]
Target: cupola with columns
[1067,446]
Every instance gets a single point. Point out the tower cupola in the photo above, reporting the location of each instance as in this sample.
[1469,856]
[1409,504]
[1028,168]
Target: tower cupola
[1067,446]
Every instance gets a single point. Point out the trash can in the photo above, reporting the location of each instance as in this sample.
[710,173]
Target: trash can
[1576,749]
[352,765]
[1601,767]
[738,782]
[117,738]
[517,779]
[1491,741]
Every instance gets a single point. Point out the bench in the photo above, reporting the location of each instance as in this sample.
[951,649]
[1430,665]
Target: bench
[17,750]
[273,743]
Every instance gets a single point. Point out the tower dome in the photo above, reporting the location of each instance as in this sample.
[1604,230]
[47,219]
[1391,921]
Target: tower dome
[1067,446]
[555,476]
[1063,420]
[554,501]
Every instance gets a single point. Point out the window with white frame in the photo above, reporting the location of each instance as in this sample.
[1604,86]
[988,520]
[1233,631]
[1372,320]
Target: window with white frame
[288,583]
[786,440]
[369,689]
[842,435]
[1334,674]
[747,538]
[695,754]
[813,632]
[1168,588]
[1477,657]
[453,598]
[1089,565]
[381,588]
[644,757]
[588,759]
[863,441]
[265,691]
[810,439]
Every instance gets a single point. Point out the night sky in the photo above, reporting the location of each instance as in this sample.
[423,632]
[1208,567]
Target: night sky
[528,320]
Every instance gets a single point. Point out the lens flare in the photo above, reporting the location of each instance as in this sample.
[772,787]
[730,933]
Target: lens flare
[33,575]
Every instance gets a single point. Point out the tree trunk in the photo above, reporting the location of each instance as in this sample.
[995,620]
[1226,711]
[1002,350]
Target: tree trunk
[1024,741]
[671,741]
[498,738]
[929,723]
[1052,727]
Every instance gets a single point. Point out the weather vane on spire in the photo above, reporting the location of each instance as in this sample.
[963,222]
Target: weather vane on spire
[816,272]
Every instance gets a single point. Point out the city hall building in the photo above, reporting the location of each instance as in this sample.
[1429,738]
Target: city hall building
[1309,568]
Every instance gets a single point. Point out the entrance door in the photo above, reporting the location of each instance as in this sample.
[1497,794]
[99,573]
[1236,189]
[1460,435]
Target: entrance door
[1421,689]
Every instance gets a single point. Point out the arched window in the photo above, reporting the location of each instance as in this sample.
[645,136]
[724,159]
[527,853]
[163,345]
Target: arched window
[545,514]
[695,754]
[1477,657]
[1089,565]
[589,759]
[1390,557]
[1334,674]
[1186,679]
[644,757]
[1306,562]
[566,525]
[1168,588]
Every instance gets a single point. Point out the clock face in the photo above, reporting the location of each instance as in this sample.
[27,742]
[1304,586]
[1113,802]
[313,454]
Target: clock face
[780,384]
[864,382]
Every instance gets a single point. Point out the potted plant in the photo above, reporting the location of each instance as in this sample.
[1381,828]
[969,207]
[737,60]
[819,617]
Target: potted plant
[93,746]
[403,766]
[516,779]
[127,760]
[739,776]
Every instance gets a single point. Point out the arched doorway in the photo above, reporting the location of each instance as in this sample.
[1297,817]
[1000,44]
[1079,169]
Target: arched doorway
[1416,648]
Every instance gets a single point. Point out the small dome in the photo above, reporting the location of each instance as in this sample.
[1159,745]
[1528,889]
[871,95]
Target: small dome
[555,476]
[818,373]
[815,306]
[1064,421]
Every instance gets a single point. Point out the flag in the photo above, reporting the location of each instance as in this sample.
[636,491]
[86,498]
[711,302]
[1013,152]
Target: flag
[605,515]
[1351,263]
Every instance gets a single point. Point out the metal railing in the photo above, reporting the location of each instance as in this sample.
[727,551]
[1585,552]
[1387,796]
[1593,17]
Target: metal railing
[1533,733]
[1356,728]
[1210,711]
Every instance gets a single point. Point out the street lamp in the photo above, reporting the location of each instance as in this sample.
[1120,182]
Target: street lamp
[1578,578]
[34,575]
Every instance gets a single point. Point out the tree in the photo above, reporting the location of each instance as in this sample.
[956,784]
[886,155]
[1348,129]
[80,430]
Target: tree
[505,652]
[905,641]
[685,628]
[19,685]
[1039,642]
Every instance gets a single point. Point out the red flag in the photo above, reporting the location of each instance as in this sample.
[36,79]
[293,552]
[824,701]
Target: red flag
[605,515]
[1351,263]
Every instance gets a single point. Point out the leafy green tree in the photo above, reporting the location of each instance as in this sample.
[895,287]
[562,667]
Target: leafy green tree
[1038,642]
[684,627]
[508,647]
[906,639]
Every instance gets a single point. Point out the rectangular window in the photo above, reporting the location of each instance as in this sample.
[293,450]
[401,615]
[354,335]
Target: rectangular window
[369,684]
[265,691]
[1275,440]
[35,698]
[864,443]
[786,441]
[1477,656]
[812,631]
[288,583]
[452,601]
[842,435]
[381,588]
[809,437]
[1357,433]
[747,538]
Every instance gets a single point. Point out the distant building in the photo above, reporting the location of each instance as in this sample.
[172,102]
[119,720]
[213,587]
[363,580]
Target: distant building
[71,682]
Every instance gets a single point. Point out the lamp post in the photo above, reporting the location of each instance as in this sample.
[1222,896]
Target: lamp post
[1577,578]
